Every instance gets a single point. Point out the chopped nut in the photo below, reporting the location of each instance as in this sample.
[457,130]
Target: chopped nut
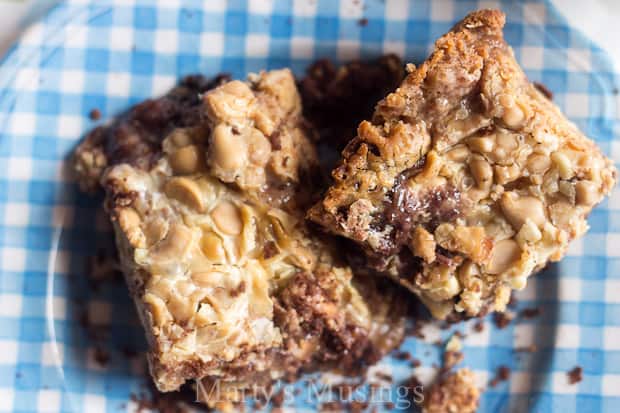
[563,163]
[458,153]
[538,164]
[586,193]
[519,208]
[423,244]
[482,172]
[504,254]
[481,144]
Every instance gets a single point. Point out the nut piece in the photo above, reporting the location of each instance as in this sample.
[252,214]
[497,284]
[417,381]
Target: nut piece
[482,172]
[481,144]
[564,164]
[470,241]
[538,164]
[519,208]
[129,221]
[227,218]
[458,153]
[225,151]
[423,244]
[504,254]
[185,191]
[586,193]
[186,160]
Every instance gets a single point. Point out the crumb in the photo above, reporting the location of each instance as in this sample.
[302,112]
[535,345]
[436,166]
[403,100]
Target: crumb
[416,363]
[416,331]
[278,399]
[479,326]
[528,313]
[101,356]
[390,405]
[363,22]
[94,114]
[456,392]
[575,375]
[502,374]
[544,90]
[502,320]
[402,355]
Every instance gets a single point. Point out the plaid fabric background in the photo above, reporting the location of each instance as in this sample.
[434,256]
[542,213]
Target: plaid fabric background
[109,55]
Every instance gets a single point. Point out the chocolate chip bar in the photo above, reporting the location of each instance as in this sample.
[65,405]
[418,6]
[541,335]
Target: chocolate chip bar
[231,286]
[467,179]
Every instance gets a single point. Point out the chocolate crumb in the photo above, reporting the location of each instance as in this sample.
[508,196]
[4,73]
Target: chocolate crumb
[544,90]
[363,22]
[502,320]
[575,375]
[95,114]
[390,405]
[101,356]
[502,374]
[278,399]
[416,363]
[529,313]
[402,355]
[479,326]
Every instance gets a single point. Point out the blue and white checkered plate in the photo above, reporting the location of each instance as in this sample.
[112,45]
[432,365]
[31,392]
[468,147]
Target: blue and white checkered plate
[108,55]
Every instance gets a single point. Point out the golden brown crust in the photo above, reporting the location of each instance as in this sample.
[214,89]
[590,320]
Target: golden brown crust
[470,151]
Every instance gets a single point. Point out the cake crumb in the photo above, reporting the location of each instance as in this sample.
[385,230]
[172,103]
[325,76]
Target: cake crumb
[502,320]
[502,374]
[456,392]
[529,313]
[94,114]
[575,375]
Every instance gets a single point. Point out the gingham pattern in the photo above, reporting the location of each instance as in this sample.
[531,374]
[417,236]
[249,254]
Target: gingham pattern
[106,55]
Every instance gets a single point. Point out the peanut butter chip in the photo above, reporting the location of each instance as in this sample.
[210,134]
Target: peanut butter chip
[227,218]
[186,160]
[185,191]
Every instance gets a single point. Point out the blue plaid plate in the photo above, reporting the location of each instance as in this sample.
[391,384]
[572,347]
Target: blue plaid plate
[110,54]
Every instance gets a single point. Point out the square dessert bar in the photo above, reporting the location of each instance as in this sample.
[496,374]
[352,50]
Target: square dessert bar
[467,179]
[231,287]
